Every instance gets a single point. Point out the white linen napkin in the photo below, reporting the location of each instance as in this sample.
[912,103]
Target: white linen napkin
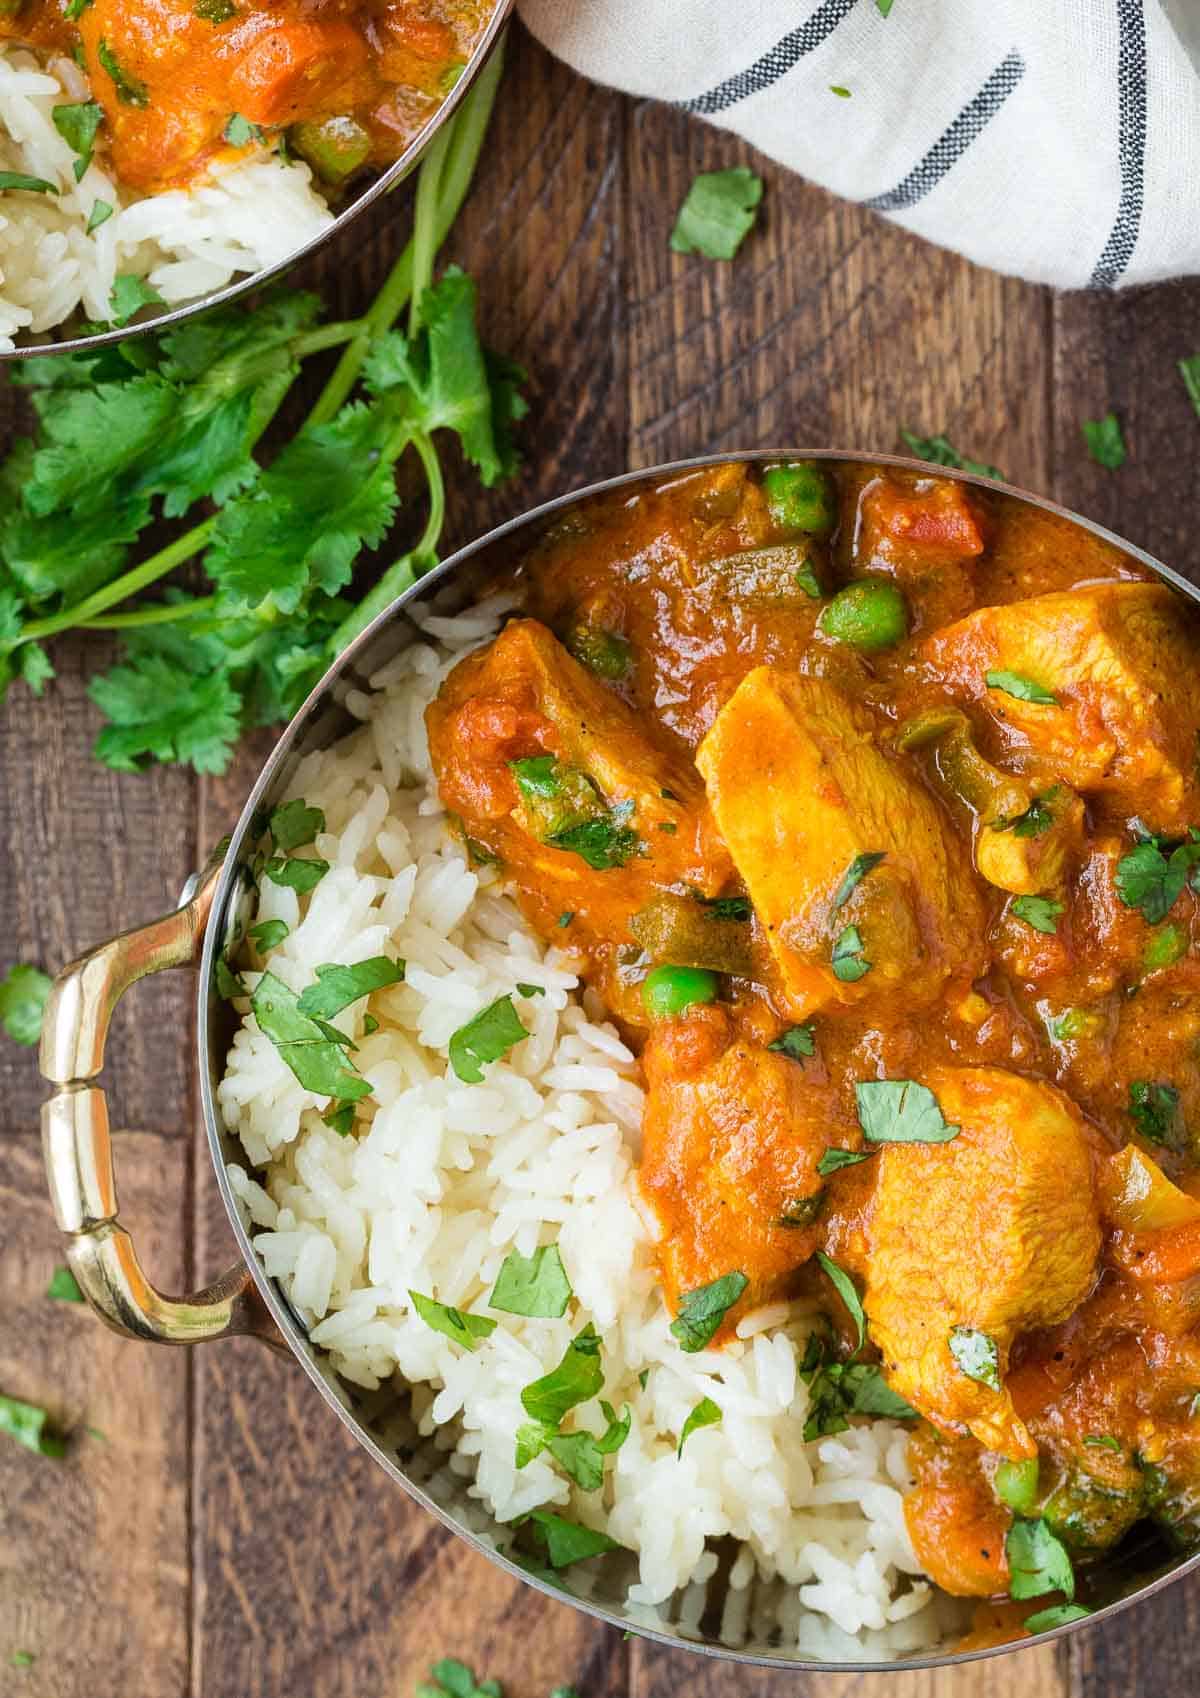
[1055,139]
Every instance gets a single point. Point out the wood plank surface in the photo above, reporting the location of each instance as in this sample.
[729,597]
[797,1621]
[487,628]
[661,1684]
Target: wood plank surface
[230,1540]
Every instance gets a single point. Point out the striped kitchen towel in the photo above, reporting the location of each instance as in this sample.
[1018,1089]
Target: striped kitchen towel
[1055,139]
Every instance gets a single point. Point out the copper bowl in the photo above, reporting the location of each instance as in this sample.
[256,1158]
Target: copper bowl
[368,195]
[78,1152]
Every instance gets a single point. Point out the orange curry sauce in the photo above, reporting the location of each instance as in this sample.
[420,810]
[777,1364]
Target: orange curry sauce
[679,750]
[356,81]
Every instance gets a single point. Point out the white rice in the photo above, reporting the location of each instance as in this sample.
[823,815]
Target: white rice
[250,213]
[447,1178]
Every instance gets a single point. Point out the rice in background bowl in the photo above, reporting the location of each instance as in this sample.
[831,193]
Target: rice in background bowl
[448,1178]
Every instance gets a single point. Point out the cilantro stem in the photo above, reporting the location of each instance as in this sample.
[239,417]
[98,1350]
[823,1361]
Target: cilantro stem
[160,613]
[425,218]
[327,336]
[129,583]
[462,146]
[432,535]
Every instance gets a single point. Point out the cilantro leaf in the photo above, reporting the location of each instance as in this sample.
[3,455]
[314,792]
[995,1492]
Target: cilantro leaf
[1189,370]
[577,1377]
[268,934]
[884,7]
[848,960]
[24,992]
[581,1455]
[1105,443]
[460,1328]
[131,91]
[159,711]
[312,1050]
[834,1159]
[26,1423]
[899,1111]
[604,842]
[718,213]
[337,987]
[1056,1616]
[296,872]
[858,869]
[484,1039]
[339,1117]
[977,1354]
[1037,818]
[1154,1109]
[1023,689]
[1148,879]
[702,1311]
[1038,1561]
[31,185]
[77,123]
[102,211]
[532,1285]
[1040,912]
[295,824]
[240,132]
[566,1542]
[848,1292]
[837,1390]
[705,1414]
[940,452]
[63,1287]
[796,1041]
[129,294]
[215,11]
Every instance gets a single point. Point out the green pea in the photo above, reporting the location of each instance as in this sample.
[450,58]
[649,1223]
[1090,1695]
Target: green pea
[1016,1484]
[869,614]
[799,497]
[672,990]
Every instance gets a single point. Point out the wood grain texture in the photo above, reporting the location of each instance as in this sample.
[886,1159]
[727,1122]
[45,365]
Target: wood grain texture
[94,1551]
[262,1555]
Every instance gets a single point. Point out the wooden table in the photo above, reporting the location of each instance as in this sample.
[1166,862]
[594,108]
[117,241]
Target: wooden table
[225,1539]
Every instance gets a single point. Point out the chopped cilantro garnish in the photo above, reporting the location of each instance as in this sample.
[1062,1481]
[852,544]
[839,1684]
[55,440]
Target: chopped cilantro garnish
[727,907]
[77,123]
[1056,1616]
[899,1111]
[705,1414]
[848,961]
[27,1423]
[63,1287]
[1034,822]
[1189,370]
[977,1354]
[268,934]
[1105,443]
[702,1311]
[537,775]
[566,1542]
[240,132]
[31,185]
[337,987]
[604,842]
[296,873]
[718,213]
[339,1117]
[100,214]
[848,1292]
[1103,1441]
[215,11]
[1038,1561]
[1023,689]
[564,919]
[295,824]
[129,295]
[532,1285]
[1040,912]
[313,1050]
[834,1160]
[837,1390]
[796,1041]
[130,90]
[484,1039]
[24,992]
[1152,880]
[938,450]
[858,869]
[1154,1109]
[841,92]
[460,1328]
[577,1377]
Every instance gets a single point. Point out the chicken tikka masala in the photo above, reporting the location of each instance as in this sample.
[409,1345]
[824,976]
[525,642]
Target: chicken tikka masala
[868,803]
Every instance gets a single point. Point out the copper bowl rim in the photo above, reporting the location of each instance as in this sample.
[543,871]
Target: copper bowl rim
[373,192]
[280,1310]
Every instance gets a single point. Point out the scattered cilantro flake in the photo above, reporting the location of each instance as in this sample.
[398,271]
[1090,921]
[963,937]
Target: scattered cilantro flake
[1189,370]
[240,132]
[1165,945]
[941,453]
[215,11]
[807,580]
[532,1285]
[1023,689]
[1153,881]
[530,990]
[296,872]
[76,9]
[802,1211]
[339,1117]
[1034,822]
[718,213]
[337,987]
[26,1423]
[834,1160]
[702,1311]
[848,961]
[295,825]
[977,1354]
[129,295]
[484,1039]
[1103,1441]
[564,919]
[77,123]
[842,93]
[130,90]
[1040,912]
[577,1378]
[1056,1616]
[313,1050]
[22,1659]
[537,775]
[31,185]
[837,1390]
[727,907]
[63,1287]
[1038,1561]
[1105,443]
[566,1542]
[858,869]
[604,842]
[899,1111]
[24,992]
[796,1042]
[268,934]
[883,7]
[579,1454]
[848,1292]
[453,1324]
[229,984]
[1154,1109]
[451,1679]
[100,214]
[705,1414]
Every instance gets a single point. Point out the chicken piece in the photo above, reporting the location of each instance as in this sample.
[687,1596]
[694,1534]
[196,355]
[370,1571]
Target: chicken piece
[957,1527]
[800,787]
[1118,659]
[1022,837]
[730,1143]
[996,1230]
[911,530]
[556,776]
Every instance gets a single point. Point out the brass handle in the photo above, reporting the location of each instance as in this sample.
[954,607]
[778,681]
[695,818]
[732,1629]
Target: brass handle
[78,1149]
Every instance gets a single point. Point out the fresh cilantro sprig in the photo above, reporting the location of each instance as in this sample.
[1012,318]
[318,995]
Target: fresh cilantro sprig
[168,427]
